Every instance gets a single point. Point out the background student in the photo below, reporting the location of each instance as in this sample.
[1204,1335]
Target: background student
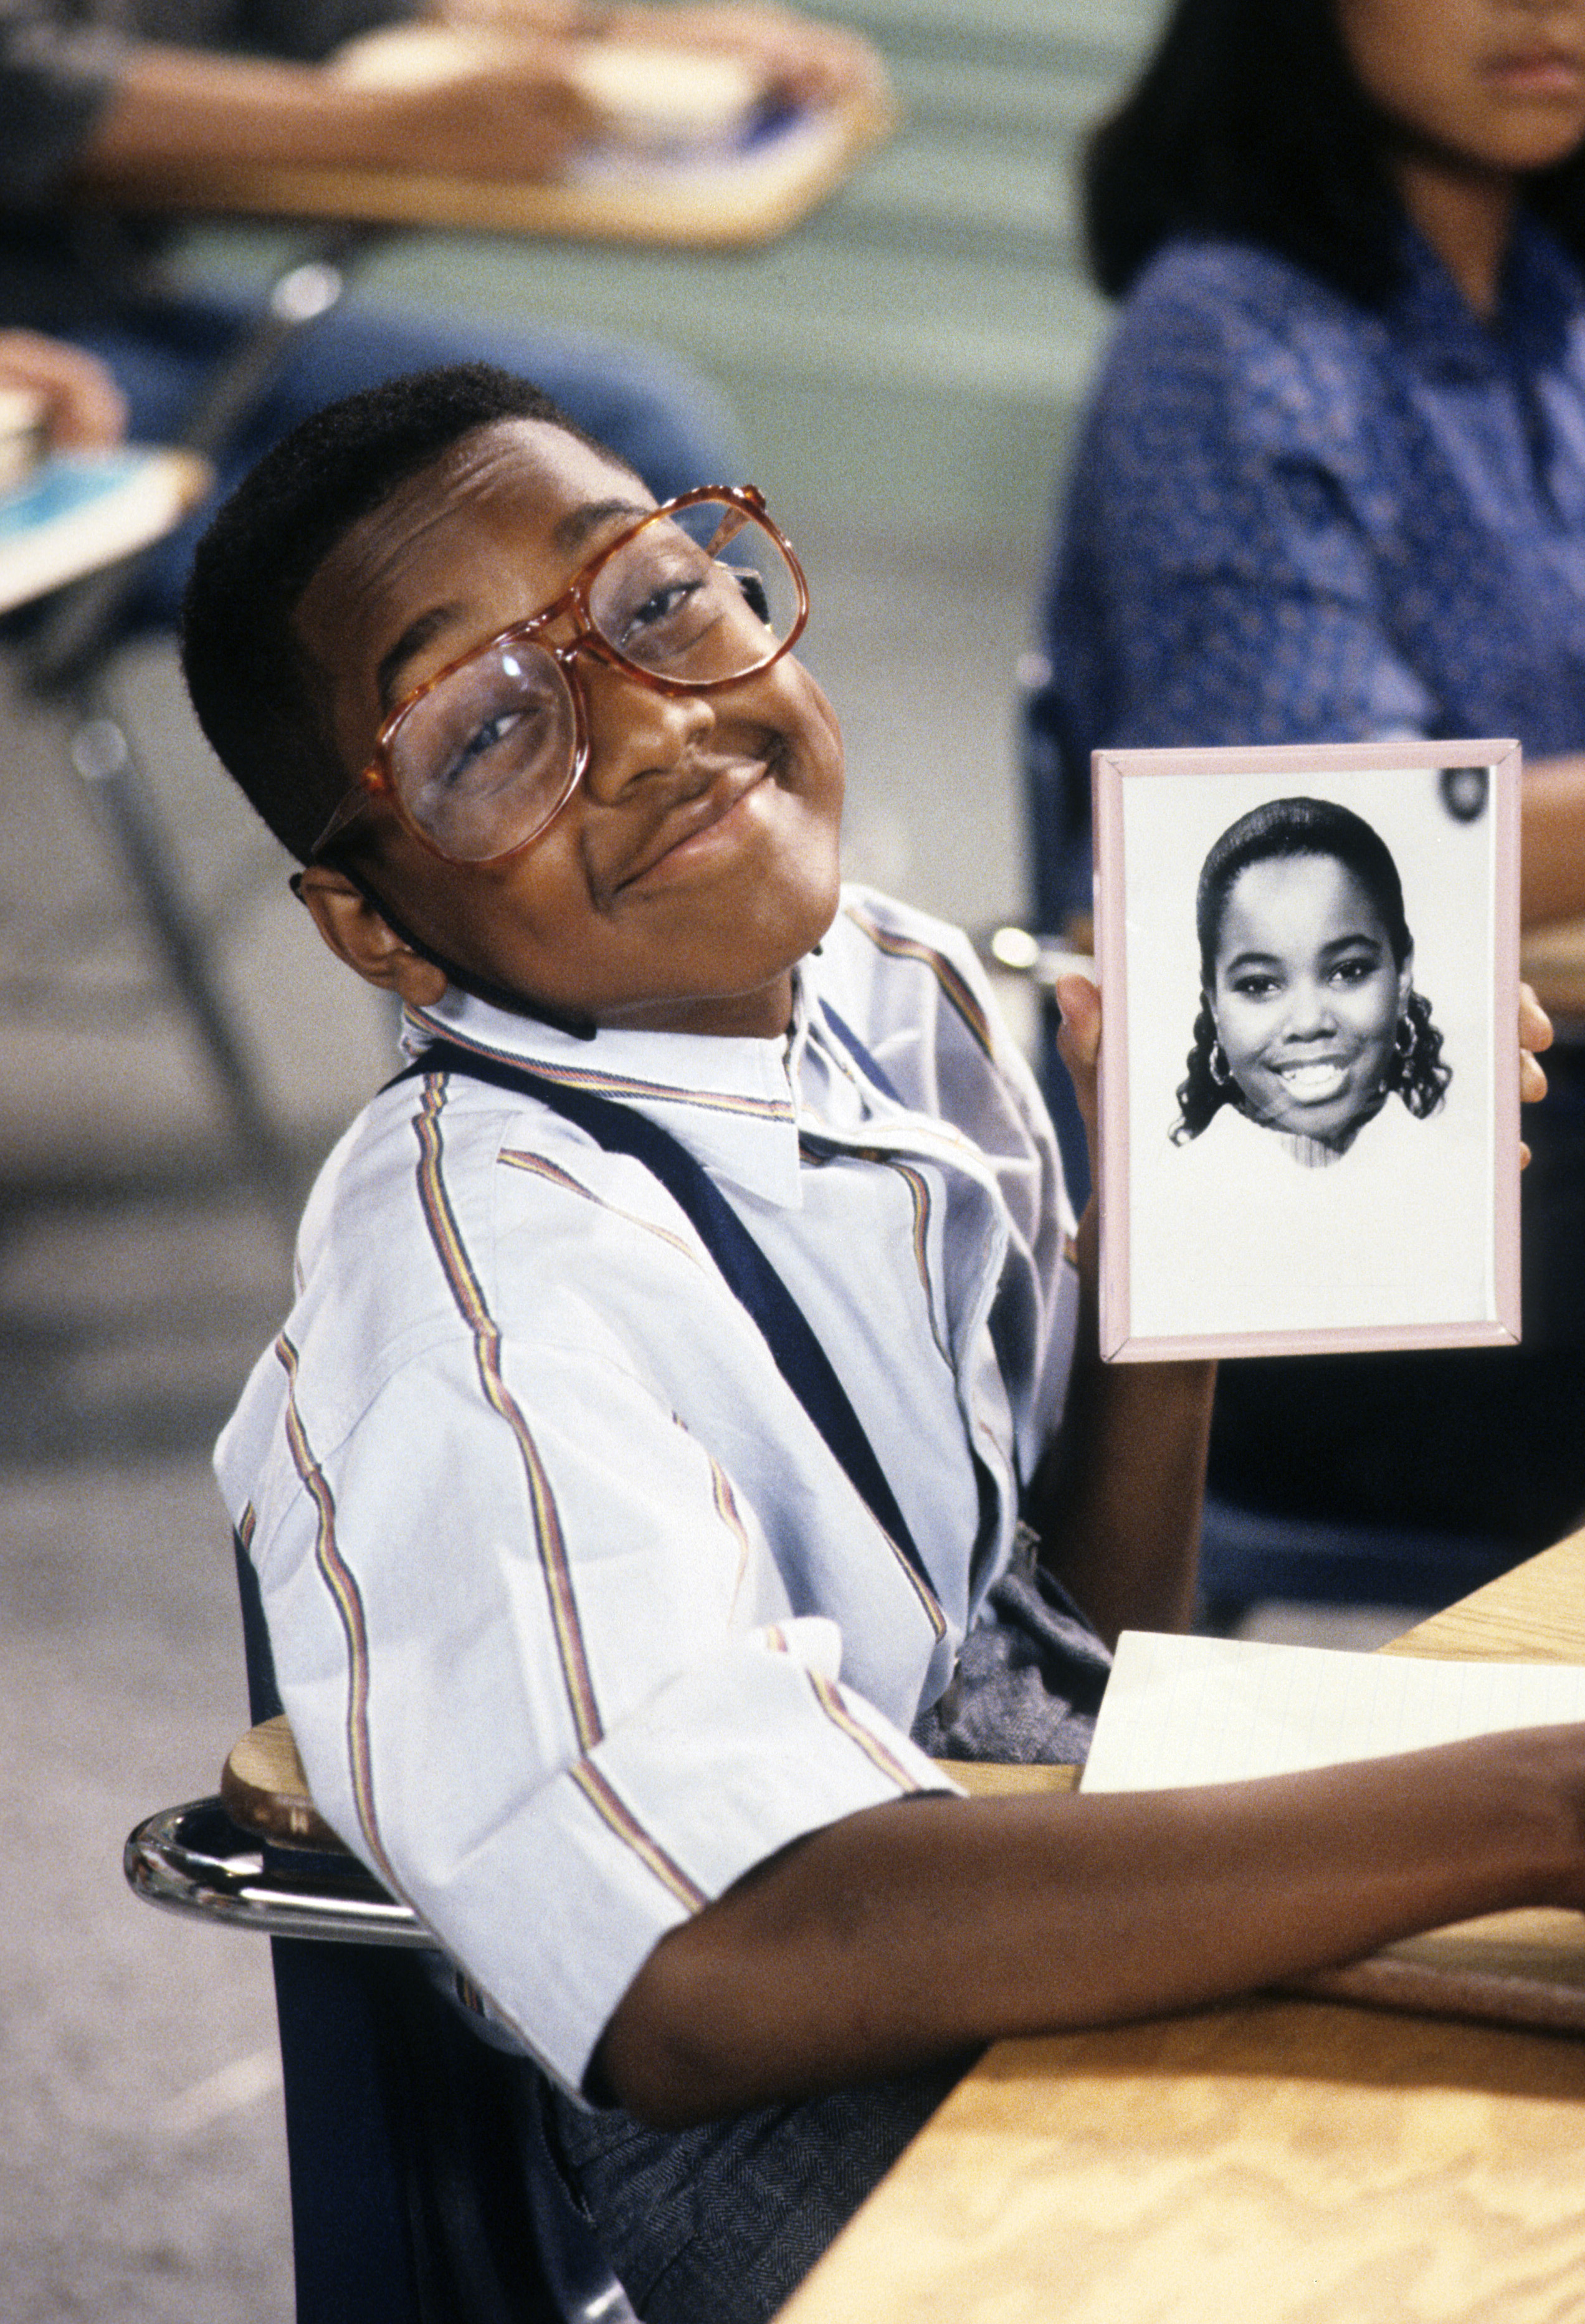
[1331,486]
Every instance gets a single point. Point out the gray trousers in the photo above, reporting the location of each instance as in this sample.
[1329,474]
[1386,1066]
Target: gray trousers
[717,2225]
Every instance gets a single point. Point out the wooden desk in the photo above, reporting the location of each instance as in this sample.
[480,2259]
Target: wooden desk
[1535,1614]
[728,207]
[1269,2159]
[732,197]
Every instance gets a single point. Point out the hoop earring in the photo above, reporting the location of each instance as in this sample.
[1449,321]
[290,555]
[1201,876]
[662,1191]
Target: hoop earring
[1403,1040]
[1217,1059]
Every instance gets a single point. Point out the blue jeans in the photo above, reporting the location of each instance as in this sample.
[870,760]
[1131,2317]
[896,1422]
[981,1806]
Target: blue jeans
[662,416]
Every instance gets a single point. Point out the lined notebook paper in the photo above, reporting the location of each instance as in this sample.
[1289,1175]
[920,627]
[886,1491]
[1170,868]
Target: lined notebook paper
[1205,1711]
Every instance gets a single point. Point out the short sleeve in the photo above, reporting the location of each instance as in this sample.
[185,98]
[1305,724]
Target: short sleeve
[543,1674]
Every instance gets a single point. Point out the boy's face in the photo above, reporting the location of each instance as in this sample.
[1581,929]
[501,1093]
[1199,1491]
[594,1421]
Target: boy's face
[697,859]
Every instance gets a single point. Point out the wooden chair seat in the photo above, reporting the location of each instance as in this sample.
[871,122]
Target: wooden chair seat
[265,1790]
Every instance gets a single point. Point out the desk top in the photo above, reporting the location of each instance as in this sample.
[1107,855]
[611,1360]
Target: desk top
[1270,2160]
[1264,2162]
[1534,1614]
[748,184]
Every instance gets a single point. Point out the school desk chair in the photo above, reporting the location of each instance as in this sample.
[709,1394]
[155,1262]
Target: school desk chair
[67,652]
[421,2189]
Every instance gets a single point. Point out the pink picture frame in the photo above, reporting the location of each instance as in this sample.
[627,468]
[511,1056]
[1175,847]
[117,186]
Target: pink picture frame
[1309,1127]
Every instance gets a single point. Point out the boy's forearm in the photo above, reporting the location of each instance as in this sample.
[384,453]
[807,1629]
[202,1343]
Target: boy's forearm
[914,1931]
[1118,1499]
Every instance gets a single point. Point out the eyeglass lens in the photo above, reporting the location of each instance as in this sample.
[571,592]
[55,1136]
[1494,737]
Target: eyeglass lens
[484,758]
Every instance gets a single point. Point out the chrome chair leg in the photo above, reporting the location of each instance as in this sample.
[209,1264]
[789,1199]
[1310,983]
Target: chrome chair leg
[67,661]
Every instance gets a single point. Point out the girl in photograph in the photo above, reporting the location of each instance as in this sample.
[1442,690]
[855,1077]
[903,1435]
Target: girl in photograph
[1324,1172]
[1309,1022]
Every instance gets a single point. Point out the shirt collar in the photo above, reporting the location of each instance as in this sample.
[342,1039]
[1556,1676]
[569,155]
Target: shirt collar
[1431,319]
[729,1100]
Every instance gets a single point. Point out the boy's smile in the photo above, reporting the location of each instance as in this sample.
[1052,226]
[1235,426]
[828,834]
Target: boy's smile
[695,860]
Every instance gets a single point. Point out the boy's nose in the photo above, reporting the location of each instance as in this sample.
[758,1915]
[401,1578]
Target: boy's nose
[633,731]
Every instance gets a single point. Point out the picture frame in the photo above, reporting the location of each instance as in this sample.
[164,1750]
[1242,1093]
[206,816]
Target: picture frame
[1309,1135]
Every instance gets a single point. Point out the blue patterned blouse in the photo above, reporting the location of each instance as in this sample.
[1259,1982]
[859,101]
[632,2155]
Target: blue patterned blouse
[1292,521]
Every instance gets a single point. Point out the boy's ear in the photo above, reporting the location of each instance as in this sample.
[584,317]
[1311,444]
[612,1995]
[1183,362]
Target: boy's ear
[356,934]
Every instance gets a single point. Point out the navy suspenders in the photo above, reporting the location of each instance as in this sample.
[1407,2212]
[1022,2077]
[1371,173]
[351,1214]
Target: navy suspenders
[799,1355]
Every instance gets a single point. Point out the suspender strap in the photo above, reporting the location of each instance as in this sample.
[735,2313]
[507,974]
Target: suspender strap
[799,1355]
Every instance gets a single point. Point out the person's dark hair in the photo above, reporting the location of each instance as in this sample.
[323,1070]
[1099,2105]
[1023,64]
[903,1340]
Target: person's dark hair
[259,698]
[1277,829]
[1248,122]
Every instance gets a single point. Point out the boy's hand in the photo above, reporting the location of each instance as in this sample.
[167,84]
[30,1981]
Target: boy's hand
[1534,1033]
[1078,1045]
[516,117]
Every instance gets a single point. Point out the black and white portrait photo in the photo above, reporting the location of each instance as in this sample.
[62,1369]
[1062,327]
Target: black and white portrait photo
[1303,1139]
[1308,1021]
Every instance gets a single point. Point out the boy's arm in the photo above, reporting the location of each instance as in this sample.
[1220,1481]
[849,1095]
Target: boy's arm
[917,1928]
[1117,1498]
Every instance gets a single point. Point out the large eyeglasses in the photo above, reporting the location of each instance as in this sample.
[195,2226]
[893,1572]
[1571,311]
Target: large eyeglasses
[478,760]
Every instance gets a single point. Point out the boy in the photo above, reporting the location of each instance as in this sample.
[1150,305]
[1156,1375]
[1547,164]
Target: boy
[677,1346]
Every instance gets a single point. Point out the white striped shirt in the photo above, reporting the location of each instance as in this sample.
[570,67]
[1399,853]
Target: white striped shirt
[574,1615]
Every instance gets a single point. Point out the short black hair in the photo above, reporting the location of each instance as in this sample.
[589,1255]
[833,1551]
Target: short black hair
[1247,122]
[258,697]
